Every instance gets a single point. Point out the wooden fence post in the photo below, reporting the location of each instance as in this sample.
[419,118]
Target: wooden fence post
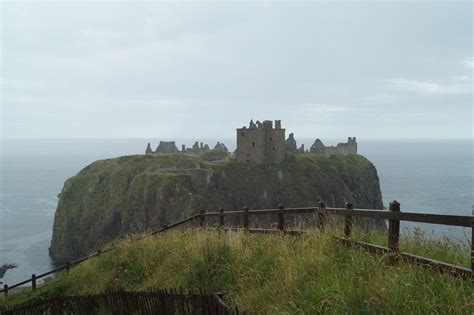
[246,218]
[33,282]
[202,218]
[348,220]
[5,290]
[221,218]
[321,215]
[472,249]
[394,228]
[281,218]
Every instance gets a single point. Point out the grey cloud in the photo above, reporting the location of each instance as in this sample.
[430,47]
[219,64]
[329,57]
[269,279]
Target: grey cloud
[153,69]
[417,86]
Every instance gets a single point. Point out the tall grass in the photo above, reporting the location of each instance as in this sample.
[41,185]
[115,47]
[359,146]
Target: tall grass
[311,273]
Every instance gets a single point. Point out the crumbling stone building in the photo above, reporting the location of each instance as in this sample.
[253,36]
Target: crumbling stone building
[196,148]
[219,152]
[163,147]
[350,147]
[261,143]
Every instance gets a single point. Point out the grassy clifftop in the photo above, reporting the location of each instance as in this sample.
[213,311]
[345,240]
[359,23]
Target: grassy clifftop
[271,274]
[115,197]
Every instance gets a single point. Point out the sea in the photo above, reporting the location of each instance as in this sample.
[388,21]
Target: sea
[429,176]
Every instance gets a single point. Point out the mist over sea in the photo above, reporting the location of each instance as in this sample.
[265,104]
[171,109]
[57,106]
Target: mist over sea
[424,176]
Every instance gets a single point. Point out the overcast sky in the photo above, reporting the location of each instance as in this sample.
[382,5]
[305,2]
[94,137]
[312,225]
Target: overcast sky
[327,70]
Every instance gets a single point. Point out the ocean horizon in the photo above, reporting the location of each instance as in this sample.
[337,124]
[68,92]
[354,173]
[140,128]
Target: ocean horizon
[431,176]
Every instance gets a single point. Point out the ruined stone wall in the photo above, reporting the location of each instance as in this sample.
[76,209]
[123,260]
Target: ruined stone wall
[167,147]
[350,147]
[260,145]
[250,145]
[220,151]
[275,146]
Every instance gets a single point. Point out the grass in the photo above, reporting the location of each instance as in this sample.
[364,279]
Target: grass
[134,193]
[272,274]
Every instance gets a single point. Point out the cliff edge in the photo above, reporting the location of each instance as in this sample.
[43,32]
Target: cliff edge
[114,197]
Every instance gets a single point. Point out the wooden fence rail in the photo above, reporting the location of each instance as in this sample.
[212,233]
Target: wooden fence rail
[394,216]
[152,301]
[443,219]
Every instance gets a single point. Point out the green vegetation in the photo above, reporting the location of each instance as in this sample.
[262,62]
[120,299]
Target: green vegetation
[276,274]
[133,194]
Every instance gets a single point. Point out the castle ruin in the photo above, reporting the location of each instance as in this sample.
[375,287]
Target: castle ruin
[350,147]
[259,143]
[219,152]
[163,147]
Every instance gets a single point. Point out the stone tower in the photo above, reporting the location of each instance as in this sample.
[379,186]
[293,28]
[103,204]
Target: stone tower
[260,143]
[352,144]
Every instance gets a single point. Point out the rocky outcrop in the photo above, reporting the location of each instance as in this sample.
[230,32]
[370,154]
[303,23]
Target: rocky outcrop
[4,268]
[111,198]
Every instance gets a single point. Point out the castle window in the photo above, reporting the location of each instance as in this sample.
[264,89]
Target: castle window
[271,139]
[243,134]
[253,143]
[273,148]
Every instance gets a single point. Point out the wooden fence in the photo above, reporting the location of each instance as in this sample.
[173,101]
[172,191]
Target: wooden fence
[153,301]
[394,216]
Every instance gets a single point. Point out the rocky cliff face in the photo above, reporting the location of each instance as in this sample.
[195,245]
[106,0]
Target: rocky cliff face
[111,198]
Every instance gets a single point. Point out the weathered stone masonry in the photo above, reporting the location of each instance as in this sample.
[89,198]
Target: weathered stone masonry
[341,148]
[261,143]
[219,152]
